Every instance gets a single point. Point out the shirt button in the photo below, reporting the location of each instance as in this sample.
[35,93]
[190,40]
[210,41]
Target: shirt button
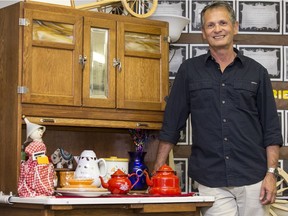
[224,120]
[223,102]
[227,158]
[223,84]
[225,139]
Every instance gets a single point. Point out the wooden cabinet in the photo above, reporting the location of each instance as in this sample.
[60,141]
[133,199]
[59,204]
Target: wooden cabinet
[47,73]
[93,61]
[91,69]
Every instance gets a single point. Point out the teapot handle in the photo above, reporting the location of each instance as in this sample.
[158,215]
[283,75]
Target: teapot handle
[103,167]
[129,175]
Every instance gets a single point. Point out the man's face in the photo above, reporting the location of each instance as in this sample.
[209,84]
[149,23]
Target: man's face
[218,29]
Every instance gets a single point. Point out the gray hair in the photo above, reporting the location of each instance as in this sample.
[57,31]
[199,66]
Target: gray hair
[218,4]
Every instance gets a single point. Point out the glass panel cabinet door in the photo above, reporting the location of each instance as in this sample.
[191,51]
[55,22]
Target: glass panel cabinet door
[99,73]
[142,83]
[51,69]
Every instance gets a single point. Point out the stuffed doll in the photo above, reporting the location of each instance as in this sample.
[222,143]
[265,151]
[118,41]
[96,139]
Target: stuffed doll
[37,173]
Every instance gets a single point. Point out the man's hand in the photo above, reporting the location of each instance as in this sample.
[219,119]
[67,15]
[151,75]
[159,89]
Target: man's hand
[163,152]
[268,189]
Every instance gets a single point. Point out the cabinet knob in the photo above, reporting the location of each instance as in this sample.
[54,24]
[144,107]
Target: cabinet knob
[117,63]
[82,61]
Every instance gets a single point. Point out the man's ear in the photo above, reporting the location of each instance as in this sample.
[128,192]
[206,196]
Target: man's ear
[203,34]
[236,28]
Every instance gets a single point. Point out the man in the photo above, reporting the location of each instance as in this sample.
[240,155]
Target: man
[236,131]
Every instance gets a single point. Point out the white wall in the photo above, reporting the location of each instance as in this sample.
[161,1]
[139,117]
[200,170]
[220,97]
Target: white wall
[4,3]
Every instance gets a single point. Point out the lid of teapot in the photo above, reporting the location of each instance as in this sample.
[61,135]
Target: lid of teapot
[119,172]
[165,168]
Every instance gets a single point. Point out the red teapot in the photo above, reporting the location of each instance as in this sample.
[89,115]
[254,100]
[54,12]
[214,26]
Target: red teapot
[119,182]
[164,182]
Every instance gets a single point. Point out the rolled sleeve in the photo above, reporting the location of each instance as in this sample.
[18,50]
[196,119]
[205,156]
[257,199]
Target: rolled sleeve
[177,109]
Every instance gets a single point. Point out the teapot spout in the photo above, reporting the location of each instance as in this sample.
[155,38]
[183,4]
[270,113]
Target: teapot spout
[148,180]
[104,184]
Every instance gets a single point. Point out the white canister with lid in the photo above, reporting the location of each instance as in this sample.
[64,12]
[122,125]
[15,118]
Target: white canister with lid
[113,163]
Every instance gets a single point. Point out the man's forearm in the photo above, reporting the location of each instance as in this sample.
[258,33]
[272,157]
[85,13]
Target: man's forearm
[163,151]
[272,156]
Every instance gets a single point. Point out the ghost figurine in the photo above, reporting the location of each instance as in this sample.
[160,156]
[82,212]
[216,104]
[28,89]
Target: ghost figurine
[37,173]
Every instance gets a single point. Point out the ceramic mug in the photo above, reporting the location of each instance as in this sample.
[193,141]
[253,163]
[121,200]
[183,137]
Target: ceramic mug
[113,164]
[64,177]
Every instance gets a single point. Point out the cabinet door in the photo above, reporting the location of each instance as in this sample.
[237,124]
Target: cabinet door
[142,82]
[99,73]
[51,69]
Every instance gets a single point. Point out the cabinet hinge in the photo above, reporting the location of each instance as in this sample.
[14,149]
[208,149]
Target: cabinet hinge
[22,89]
[24,22]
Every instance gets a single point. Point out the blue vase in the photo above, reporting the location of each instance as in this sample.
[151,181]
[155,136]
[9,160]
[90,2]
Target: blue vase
[137,165]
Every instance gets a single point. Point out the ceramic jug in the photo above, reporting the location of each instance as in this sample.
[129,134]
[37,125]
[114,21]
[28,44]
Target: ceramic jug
[88,166]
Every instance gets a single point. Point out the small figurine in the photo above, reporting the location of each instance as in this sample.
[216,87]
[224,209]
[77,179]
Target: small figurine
[60,157]
[37,173]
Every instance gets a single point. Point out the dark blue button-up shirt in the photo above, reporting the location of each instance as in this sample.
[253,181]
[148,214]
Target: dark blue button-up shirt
[233,115]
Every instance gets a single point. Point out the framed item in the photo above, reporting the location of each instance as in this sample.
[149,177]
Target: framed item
[190,134]
[259,17]
[286,128]
[184,134]
[285,17]
[171,81]
[281,165]
[173,7]
[195,8]
[177,54]
[192,186]
[198,49]
[282,122]
[269,56]
[181,168]
[285,63]
[285,184]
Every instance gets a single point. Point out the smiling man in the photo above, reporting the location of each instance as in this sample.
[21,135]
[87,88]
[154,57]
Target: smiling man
[236,131]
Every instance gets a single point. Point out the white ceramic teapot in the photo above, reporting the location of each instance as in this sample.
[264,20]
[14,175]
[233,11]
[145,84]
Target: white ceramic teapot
[88,166]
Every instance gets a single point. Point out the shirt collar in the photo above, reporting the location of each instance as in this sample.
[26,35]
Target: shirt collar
[239,56]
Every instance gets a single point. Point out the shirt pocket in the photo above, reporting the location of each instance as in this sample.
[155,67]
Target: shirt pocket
[201,94]
[244,94]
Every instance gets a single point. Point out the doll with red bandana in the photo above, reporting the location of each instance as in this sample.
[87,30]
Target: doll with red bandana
[37,173]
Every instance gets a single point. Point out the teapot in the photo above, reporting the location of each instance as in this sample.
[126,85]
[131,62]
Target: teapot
[164,182]
[119,182]
[88,166]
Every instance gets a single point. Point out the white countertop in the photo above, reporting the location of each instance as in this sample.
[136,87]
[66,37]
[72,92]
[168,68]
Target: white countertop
[105,200]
